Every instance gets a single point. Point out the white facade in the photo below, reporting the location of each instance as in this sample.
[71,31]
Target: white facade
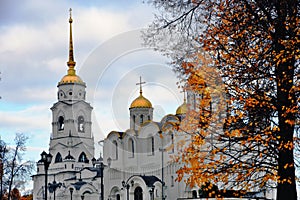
[136,158]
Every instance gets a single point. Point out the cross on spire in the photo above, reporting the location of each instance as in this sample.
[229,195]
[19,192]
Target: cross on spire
[70,10]
[71,63]
[140,83]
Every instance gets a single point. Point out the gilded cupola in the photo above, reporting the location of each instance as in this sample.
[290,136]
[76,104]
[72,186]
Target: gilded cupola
[182,109]
[141,102]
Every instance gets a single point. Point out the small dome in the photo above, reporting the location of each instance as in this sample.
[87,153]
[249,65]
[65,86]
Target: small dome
[141,102]
[71,79]
[69,157]
[182,109]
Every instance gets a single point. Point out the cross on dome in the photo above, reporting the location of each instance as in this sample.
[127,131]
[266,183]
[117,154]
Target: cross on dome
[184,94]
[140,83]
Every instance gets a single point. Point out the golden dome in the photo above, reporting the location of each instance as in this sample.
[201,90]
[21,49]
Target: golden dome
[141,102]
[71,79]
[181,110]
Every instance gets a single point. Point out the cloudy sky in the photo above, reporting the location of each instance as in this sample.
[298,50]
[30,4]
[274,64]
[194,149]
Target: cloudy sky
[109,56]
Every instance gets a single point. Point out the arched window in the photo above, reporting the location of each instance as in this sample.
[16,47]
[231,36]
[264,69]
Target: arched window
[131,147]
[115,150]
[172,142]
[80,124]
[141,119]
[61,123]
[83,158]
[149,118]
[138,193]
[194,194]
[151,146]
[133,118]
[118,197]
[58,158]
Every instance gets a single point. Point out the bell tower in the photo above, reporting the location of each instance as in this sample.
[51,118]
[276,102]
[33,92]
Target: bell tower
[71,117]
[71,142]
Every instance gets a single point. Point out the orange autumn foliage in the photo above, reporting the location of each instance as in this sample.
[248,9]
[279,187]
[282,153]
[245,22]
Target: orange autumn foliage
[255,47]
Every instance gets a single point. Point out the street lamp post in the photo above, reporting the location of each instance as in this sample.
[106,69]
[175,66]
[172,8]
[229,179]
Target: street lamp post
[53,186]
[46,159]
[101,169]
[71,192]
[162,149]
[101,176]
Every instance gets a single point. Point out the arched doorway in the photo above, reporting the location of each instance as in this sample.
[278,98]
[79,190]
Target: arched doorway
[138,193]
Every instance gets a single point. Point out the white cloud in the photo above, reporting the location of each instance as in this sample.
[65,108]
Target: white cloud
[38,51]
[98,24]
[27,120]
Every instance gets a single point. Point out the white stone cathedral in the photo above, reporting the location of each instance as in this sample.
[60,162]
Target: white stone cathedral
[136,162]
[139,159]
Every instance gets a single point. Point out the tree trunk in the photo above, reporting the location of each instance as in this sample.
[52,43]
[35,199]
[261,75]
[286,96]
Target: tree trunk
[286,190]
[12,173]
[286,102]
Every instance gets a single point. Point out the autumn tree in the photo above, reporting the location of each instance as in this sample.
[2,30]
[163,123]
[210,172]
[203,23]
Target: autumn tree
[16,171]
[15,194]
[255,46]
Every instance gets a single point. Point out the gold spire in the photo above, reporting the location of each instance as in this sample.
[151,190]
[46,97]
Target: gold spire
[141,102]
[71,63]
[71,76]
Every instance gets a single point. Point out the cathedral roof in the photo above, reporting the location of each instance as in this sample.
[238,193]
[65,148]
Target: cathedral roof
[150,180]
[79,184]
[71,76]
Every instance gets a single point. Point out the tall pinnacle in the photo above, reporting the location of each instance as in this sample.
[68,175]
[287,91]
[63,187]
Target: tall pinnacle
[71,76]
[71,63]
